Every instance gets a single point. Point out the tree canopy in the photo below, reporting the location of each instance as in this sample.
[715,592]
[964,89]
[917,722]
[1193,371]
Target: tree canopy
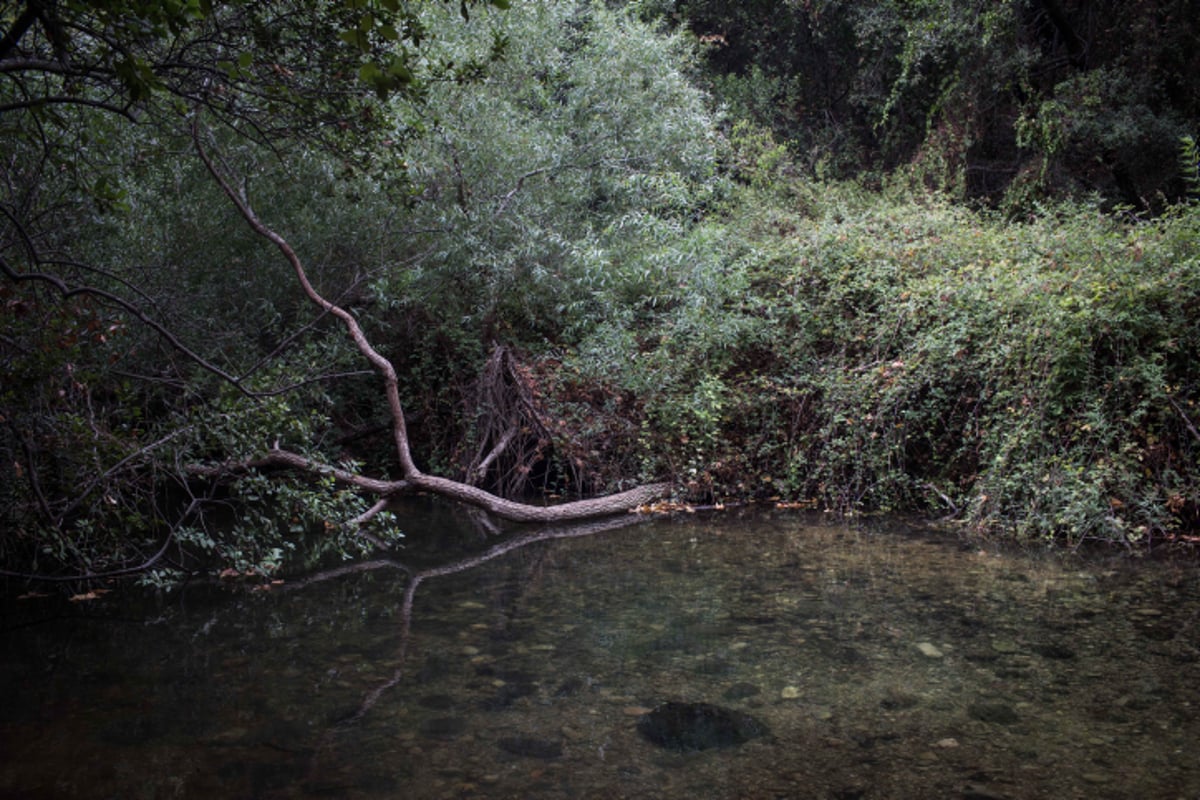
[1010,102]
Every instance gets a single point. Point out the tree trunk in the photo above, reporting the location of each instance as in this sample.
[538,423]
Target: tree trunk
[523,512]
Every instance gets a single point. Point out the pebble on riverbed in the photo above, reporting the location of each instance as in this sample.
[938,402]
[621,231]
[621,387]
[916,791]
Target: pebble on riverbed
[929,650]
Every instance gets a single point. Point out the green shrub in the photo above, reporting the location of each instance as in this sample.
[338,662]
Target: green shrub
[909,354]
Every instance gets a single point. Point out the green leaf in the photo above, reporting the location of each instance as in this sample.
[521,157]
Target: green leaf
[399,70]
[355,38]
[369,72]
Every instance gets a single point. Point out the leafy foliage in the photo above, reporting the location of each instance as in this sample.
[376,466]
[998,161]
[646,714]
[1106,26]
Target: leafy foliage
[585,275]
[546,200]
[128,302]
[898,354]
[1010,103]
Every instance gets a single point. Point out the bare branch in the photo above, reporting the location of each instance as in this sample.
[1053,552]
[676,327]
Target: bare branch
[369,514]
[521,512]
[285,458]
[1184,417]
[385,368]
[82,494]
[454,490]
[482,467]
[38,102]
[413,478]
[34,483]
[66,291]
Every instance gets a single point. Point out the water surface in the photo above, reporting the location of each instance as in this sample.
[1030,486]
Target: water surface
[883,662]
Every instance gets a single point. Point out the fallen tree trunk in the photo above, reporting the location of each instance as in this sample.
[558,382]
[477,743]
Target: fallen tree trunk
[413,479]
[523,512]
[455,490]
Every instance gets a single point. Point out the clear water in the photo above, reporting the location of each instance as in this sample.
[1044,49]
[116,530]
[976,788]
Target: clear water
[886,662]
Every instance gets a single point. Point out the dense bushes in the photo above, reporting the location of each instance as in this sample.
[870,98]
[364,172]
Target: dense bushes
[906,353]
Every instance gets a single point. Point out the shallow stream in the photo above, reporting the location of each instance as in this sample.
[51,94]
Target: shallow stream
[876,661]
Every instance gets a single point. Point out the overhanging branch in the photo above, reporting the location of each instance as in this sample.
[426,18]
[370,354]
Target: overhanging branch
[413,478]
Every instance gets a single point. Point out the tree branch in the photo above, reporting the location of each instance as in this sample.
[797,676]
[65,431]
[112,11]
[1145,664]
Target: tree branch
[38,102]
[1184,417]
[22,24]
[413,478]
[385,368]
[505,509]
[114,573]
[66,291]
[481,468]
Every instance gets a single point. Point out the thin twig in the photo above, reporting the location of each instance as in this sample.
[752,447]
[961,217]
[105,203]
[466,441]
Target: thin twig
[115,573]
[1184,417]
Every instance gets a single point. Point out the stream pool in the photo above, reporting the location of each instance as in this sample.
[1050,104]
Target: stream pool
[879,660]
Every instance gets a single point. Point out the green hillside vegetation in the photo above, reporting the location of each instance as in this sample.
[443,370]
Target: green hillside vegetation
[877,352]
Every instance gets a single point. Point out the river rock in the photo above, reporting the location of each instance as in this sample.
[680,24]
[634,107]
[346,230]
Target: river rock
[698,726]
[993,713]
[530,747]
[741,690]
[929,650]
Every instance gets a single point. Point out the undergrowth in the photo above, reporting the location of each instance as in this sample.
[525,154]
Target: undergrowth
[872,354]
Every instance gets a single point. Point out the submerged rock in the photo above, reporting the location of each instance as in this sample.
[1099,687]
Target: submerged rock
[698,726]
[443,727]
[929,650]
[531,748]
[993,713]
[741,690]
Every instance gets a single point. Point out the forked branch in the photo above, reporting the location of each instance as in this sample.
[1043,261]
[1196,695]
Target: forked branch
[412,478]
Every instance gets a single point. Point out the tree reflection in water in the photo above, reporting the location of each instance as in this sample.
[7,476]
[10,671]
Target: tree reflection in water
[416,577]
